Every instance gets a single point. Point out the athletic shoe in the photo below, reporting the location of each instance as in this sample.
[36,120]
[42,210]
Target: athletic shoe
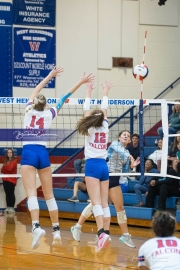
[37,234]
[126,239]
[11,210]
[76,233]
[73,199]
[6,210]
[56,238]
[103,241]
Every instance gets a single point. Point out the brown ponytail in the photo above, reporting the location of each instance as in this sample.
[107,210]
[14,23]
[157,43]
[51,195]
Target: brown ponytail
[95,119]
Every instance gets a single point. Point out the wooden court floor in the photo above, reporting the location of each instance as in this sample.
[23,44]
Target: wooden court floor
[16,252]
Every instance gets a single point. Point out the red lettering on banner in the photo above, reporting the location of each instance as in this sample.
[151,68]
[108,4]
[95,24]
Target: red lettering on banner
[34,46]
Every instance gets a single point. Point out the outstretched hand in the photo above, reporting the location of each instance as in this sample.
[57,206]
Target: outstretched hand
[134,163]
[56,71]
[90,86]
[107,85]
[86,78]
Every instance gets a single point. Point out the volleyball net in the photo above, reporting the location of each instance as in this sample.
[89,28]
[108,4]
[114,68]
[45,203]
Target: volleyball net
[141,117]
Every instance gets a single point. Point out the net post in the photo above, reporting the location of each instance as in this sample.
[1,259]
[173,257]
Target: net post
[141,136]
[164,115]
[131,120]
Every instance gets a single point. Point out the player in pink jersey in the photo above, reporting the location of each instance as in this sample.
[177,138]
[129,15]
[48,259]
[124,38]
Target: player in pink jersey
[94,126]
[35,156]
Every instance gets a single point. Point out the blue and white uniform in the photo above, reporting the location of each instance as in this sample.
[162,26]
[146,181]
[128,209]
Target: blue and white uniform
[118,162]
[96,152]
[34,152]
[160,253]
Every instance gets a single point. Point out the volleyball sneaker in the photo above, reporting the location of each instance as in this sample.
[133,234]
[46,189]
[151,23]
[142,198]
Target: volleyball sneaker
[6,210]
[11,210]
[76,233]
[126,239]
[73,199]
[56,236]
[37,234]
[103,241]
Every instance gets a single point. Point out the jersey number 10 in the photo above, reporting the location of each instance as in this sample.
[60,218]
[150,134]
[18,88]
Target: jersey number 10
[166,243]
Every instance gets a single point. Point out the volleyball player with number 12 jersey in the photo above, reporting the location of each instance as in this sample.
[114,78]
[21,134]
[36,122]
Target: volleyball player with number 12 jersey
[94,126]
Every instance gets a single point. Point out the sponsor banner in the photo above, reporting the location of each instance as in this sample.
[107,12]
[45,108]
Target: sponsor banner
[34,12]
[71,101]
[17,135]
[6,71]
[34,56]
[5,14]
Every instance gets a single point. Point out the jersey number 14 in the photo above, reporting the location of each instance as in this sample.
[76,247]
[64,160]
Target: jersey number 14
[39,122]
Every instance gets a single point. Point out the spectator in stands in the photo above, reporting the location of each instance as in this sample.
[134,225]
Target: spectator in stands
[164,187]
[9,167]
[157,154]
[178,152]
[79,165]
[174,148]
[161,252]
[174,122]
[133,148]
[144,182]
[174,152]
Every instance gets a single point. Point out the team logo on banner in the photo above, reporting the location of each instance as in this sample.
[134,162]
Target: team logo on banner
[34,56]
[34,46]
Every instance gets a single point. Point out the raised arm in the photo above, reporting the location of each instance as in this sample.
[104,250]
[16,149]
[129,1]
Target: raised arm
[85,79]
[86,105]
[55,72]
[106,87]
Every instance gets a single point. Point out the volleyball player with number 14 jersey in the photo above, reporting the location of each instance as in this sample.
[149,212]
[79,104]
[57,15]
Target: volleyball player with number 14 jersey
[35,156]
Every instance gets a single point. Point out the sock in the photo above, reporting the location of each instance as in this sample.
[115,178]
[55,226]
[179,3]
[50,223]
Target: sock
[125,233]
[107,232]
[55,227]
[55,224]
[100,231]
[35,224]
[78,225]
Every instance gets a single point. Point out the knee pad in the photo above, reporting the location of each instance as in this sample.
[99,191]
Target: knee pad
[106,212]
[32,203]
[51,204]
[121,217]
[97,210]
[88,211]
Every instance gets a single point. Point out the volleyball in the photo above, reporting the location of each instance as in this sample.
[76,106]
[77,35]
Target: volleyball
[140,72]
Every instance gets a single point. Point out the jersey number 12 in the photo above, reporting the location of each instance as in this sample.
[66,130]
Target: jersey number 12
[100,137]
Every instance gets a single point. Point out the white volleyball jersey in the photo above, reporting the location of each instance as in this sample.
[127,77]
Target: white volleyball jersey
[160,253]
[96,142]
[34,119]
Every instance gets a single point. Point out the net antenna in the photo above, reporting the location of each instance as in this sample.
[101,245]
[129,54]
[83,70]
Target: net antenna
[144,52]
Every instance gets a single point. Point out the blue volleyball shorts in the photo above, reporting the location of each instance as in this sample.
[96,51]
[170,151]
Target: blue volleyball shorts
[35,155]
[97,168]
